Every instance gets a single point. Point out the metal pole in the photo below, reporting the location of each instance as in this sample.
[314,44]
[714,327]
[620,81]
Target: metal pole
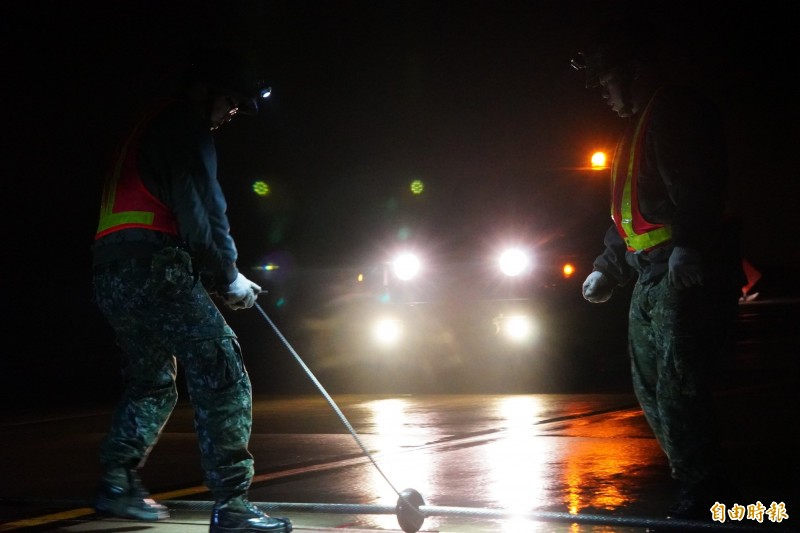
[662,524]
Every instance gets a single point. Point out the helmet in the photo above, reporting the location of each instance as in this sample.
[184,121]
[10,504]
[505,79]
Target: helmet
[613,45]
[226,71]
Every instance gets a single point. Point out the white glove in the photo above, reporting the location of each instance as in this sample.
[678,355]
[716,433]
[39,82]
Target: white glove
[241,294]
[685,268]
[598,287]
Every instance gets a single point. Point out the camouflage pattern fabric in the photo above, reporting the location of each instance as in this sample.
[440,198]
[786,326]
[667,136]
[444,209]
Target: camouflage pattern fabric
[676,338]
[162,316]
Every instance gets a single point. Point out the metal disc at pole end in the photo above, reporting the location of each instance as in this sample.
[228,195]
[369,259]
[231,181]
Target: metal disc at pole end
[409,516]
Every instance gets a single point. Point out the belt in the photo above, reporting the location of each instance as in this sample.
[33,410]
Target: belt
[112,267]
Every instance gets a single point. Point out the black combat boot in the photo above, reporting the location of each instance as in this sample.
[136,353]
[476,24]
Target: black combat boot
[696,500]
[238,515]
[122,494]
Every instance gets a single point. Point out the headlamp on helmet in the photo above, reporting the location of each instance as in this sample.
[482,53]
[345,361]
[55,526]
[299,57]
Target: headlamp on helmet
[226,72]
[614,45]
[601,60]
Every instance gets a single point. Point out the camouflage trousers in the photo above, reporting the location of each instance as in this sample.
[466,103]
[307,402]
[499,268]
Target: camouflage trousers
[675,339]
[162,316]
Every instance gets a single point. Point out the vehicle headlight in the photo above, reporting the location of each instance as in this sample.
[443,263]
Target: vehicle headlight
[516,328]
[406,266]
[387,331]
[514,262]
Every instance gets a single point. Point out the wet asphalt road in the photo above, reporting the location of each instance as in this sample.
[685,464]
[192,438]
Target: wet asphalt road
[590,454]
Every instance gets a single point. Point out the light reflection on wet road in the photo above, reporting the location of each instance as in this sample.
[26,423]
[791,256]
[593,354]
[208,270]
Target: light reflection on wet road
[590,454]
[518,453]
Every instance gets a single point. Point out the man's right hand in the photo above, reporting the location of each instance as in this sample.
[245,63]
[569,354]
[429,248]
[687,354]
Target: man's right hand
[598,287]
[241,294]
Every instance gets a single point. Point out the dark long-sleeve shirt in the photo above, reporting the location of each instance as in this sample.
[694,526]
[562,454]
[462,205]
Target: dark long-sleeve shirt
[682,181]
[177,161]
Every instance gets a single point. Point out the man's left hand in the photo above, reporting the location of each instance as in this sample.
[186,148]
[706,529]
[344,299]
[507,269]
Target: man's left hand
[685,268]
[241,294]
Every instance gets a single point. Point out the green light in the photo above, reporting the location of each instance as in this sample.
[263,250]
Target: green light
[270,266]
[260,188]
[417,187]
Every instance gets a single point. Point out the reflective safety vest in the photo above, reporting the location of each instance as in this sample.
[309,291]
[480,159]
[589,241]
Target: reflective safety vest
[638,233]
[126,202]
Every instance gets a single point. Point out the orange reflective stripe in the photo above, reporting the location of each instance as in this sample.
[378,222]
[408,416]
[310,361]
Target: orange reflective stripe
[638,233]
[126,202]
[108,218]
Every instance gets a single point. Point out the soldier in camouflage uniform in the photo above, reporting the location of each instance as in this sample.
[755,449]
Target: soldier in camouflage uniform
[163,248]
[670,232]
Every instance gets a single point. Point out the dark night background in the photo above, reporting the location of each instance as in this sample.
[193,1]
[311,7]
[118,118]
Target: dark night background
[476,98]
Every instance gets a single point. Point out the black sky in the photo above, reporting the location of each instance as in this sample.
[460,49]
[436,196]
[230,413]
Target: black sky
[474,97]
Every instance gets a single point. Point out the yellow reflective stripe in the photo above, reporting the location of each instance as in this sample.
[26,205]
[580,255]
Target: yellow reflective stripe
[650,239]
[614,176]
[125,217]
[626,210]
